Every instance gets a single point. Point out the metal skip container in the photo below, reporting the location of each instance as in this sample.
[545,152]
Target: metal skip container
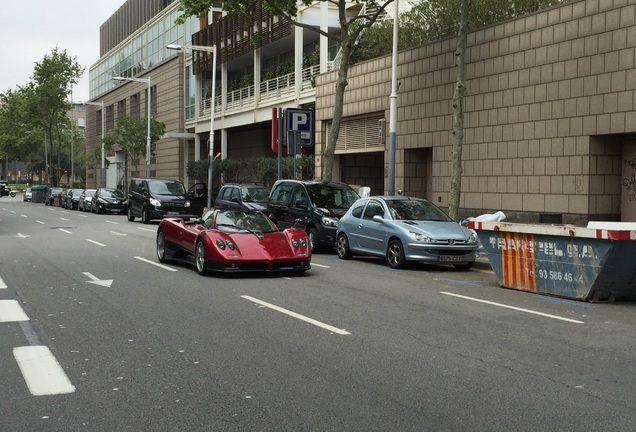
[590,264]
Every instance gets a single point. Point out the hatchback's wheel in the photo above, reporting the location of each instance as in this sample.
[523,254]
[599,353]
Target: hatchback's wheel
[144,216]
[161,247]
[395,255]
[313,240]
[199,257]
[130,215]
[342,245]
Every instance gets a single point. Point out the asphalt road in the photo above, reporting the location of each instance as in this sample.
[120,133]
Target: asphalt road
[95,335]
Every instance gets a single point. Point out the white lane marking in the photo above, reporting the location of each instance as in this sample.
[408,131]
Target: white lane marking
[112,222]
[82,215]
[40,222]
[298,316]
[66,231]
[96,242]
[41,371]
[118,233]
[10,311]
[320,265]
[513,308]
[2,284]
[24,216]
[20,235]
[97,281]
[65,219]
[155,264]
[147,229]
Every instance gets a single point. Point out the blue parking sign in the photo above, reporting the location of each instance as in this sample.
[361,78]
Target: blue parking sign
[302,120]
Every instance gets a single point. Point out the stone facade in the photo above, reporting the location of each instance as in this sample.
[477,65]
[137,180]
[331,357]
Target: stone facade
[551,102]
[171,154]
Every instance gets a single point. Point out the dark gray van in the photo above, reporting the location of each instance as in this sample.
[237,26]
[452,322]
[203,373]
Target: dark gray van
[314,205]
[152,198]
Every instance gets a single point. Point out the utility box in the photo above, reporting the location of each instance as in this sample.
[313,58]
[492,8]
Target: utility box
[579,263]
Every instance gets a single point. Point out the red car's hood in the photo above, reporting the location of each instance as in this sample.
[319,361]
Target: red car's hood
[273,245]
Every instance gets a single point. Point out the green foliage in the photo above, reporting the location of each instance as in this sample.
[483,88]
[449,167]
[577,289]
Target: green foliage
[433,20]
[263,170]
[131,136]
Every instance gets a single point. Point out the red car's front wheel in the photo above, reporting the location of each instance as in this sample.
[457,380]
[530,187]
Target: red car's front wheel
[199,257]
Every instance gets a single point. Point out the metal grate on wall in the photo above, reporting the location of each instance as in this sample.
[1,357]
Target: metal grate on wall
[358,135]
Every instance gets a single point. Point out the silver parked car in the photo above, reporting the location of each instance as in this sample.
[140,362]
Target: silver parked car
[404,229]
[86,197]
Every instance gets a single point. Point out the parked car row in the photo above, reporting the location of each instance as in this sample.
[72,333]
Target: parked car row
[102,200]
[400,229]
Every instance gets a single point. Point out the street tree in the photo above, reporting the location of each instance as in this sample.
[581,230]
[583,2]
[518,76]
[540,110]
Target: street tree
[15,121]
[351,26]
[131,137]
[52,81]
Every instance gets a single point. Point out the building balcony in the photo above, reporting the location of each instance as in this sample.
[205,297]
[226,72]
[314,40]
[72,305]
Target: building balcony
[270,93]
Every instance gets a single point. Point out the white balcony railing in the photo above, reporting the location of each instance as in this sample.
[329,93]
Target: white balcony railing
[276,88]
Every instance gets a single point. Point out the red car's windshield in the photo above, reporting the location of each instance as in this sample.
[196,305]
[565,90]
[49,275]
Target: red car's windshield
[240,220]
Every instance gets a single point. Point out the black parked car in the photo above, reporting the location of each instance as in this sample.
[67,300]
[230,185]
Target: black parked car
[51,193]
[72,202]
[70,198]
[153,198]
[242,197]
[108,200]
[315,206]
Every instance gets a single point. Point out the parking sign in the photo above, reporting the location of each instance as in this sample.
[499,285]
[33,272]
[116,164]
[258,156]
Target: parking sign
[301,120]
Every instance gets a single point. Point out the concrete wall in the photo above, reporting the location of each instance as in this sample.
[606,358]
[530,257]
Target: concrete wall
[550,97]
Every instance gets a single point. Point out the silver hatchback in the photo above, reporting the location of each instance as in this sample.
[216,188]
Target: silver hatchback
[404,229]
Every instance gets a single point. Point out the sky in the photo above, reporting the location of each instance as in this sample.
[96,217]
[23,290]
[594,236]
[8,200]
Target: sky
[32,29]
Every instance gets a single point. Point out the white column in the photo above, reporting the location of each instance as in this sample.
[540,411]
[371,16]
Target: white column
[324,42]
[298,58]
[257,77]
[197,147]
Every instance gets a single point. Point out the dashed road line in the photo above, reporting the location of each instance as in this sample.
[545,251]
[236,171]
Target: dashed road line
[40,222]
[11,311]
[156,264]
[65,231]
[320,265]
[96,242]
[41,371]
[513,308]
[2,284]
[147,229]
[298,316]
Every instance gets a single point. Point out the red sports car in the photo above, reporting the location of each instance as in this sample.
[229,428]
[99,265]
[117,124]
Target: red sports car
[233,241]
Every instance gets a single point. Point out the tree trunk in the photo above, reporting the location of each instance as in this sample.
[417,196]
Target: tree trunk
[458,115]
[328,156]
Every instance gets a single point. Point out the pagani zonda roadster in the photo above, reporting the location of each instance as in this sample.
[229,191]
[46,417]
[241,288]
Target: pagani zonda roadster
[233,241]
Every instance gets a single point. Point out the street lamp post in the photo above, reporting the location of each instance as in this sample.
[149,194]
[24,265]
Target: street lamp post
[102,176]
[144,80]
[210,49]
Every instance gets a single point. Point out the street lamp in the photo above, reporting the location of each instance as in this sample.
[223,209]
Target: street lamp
[210,49]
[102,177]
[144,80]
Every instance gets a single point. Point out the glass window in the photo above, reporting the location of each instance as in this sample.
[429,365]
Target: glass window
[282,194]
[416,210]
[374,208]
[356,211]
